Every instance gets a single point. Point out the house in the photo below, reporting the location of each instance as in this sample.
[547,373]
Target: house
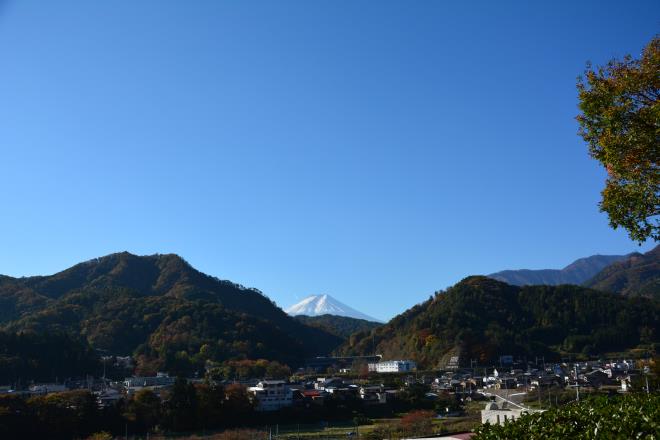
[271,395]
[373,394]
[455,385]
[506,383]
[454,363]
[326,383]
[316,397]
[559,370]
[343,393]
[489,381]
[546,381]
[598,378]
[107,397]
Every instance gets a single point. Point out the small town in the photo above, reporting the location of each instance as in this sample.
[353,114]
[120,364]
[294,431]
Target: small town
[454,399]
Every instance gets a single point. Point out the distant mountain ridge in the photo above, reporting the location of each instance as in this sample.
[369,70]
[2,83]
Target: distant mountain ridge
[317,305]
[637,275]
[577,272]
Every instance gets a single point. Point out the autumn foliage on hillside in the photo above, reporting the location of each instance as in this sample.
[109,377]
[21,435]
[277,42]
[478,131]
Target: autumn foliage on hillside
[159,309]
[481,318]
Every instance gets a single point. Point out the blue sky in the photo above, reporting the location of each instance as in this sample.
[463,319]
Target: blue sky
[375,151]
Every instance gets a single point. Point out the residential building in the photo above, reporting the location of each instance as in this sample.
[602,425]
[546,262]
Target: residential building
[454,363]
[272,395]
[326,383]
[314,396]
[108,397]
[373,394]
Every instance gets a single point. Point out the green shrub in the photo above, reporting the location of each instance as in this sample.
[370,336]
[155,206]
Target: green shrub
[620,417]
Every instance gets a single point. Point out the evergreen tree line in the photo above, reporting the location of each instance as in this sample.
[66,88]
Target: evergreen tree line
[44,357]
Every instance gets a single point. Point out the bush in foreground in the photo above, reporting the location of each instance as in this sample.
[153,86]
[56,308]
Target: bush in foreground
[619,417]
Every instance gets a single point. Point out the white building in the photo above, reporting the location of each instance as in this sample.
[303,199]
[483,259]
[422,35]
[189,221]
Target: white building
[272,395]
[393,366]
[495,415]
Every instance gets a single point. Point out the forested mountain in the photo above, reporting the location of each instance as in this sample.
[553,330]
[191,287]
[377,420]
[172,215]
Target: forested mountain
[162,310]
[342,326]
[577,272]
[639,274]
[481,318]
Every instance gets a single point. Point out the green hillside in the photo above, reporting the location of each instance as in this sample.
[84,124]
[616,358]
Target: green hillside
[161,309]
[481,318]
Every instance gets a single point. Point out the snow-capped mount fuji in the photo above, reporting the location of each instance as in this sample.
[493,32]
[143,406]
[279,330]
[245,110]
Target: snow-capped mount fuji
[316,305]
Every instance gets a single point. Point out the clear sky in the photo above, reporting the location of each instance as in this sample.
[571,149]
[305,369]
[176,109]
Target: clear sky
[373,150]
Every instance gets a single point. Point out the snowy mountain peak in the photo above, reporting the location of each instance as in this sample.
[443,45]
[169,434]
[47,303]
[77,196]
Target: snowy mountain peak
[316,305]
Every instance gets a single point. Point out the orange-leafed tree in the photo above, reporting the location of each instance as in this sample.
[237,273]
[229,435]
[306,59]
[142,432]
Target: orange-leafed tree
[620,121]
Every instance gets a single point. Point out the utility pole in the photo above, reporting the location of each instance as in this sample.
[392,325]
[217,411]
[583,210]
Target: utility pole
[577,383]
